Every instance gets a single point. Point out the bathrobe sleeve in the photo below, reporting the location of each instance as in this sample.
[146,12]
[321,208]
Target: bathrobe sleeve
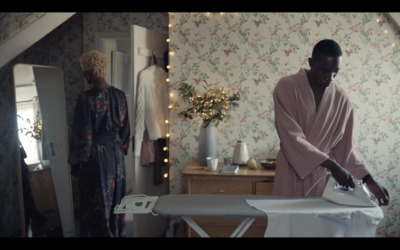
[124,131]
[302,156]
[346,152]
[81,135]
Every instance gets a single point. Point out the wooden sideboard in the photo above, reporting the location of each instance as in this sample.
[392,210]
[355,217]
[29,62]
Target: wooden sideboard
[200,180]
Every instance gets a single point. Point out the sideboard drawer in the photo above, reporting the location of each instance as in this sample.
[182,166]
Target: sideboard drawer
[199,180]
[210,186]
[264,188]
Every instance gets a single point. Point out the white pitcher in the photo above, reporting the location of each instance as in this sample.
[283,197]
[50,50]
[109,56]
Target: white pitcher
[241,153]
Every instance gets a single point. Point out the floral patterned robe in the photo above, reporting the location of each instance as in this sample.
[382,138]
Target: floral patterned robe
[99,141]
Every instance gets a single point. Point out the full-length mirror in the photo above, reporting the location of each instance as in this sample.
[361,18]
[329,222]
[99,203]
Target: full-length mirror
[43,137]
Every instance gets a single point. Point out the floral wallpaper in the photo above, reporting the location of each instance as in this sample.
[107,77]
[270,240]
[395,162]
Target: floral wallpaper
[121,22]
[250,52]
[11,23]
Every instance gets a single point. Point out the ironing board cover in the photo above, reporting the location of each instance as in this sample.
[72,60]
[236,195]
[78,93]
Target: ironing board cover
[210,205]
[317,218]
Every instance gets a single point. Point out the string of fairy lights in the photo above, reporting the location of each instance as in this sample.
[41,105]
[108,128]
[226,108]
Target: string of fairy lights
[385,31]
[165,168]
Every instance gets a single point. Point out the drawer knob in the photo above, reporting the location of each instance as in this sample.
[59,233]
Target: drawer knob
[221,191]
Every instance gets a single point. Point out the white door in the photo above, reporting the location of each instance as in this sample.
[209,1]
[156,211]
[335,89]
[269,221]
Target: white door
[145,43]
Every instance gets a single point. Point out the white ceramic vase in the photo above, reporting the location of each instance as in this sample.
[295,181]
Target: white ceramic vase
[207,143]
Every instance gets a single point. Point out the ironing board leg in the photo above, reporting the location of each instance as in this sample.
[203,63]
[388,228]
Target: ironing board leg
[195,227]
[242,227]
[239,231]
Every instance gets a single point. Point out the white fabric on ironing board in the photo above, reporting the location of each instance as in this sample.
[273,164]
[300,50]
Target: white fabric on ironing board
[317,218]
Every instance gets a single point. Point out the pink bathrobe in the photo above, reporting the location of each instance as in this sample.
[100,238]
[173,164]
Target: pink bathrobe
[308,137]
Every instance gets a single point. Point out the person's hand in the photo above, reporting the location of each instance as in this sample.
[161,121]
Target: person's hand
[378,191]
[341,175]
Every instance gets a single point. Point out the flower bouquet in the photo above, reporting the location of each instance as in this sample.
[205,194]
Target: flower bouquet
[212,106]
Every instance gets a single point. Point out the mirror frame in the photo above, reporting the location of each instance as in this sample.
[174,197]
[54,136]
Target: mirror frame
[66,213]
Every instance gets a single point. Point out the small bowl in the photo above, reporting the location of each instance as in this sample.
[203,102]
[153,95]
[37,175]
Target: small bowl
[268,163]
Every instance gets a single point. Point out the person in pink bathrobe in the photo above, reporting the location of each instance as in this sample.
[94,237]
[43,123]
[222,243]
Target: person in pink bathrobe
[314,121]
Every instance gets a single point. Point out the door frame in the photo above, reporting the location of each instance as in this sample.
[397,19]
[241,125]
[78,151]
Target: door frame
[132,222]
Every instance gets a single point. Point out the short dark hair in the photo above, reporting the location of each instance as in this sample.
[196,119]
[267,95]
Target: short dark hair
[326,47]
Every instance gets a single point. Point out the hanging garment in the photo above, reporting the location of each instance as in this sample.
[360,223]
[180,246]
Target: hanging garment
[151,105]
[99,141]
[148,151]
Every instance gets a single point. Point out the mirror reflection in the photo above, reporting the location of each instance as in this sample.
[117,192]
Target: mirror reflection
[41,214]
[44,175]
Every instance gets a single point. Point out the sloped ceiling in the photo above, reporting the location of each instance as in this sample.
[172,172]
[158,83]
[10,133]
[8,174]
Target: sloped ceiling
[26,37]
[395,17]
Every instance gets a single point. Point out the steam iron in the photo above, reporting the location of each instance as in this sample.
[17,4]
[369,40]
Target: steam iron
[358,196]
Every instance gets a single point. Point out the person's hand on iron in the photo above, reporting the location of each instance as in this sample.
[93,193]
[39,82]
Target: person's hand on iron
[341,175]
[378,191]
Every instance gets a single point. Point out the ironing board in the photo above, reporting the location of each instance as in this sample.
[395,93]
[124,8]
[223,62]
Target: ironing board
[206,205]
[188,205]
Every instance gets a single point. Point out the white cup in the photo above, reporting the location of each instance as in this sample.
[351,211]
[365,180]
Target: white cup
[212,163]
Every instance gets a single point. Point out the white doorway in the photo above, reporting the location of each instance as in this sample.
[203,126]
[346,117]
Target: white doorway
[129,53]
